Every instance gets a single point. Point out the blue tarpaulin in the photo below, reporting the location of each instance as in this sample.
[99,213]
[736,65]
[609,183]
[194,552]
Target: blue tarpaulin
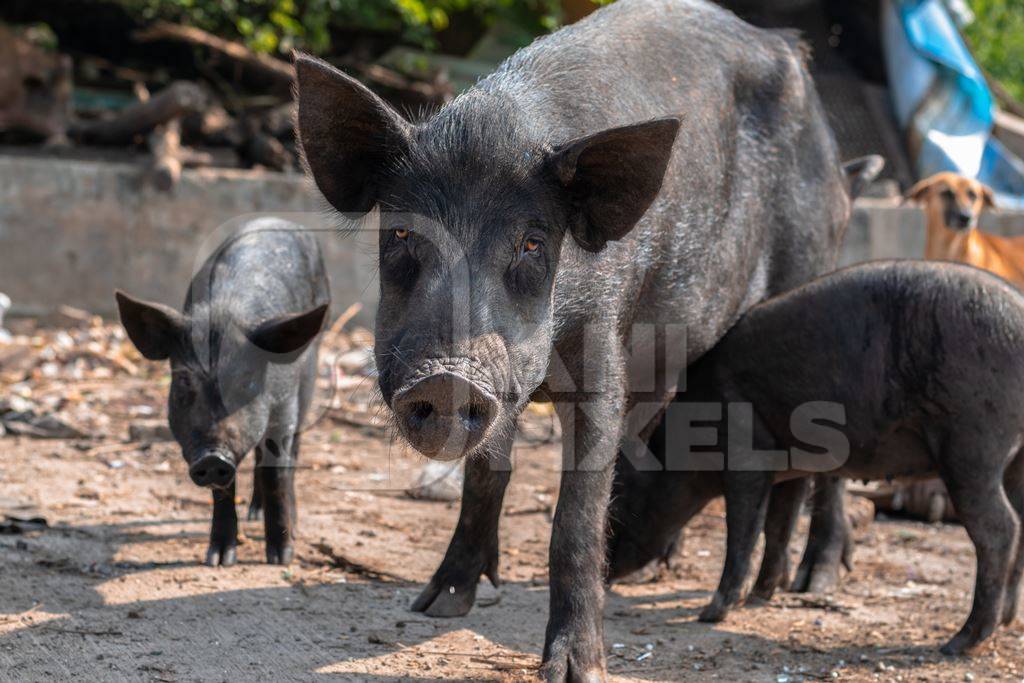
[942,100]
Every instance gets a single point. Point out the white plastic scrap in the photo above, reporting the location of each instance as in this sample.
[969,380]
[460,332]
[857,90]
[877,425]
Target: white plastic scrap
[5,305]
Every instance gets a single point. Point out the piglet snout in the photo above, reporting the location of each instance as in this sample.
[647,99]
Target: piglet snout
[444,415]
[213,468]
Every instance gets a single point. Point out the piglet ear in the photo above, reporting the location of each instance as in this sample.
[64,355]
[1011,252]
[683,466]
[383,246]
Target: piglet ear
[612,177]
[287,335]
[156,330]
[346,133]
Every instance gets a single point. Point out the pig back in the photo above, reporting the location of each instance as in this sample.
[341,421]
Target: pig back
[266,268]
[752,202]
[894,342]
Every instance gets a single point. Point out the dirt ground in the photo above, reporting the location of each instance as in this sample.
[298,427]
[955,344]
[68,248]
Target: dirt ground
[113,588]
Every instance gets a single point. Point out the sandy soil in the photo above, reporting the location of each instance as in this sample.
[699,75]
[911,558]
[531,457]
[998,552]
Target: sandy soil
[113,589]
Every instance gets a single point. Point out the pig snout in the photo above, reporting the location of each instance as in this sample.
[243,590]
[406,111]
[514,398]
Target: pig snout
[444,415]
[213,468]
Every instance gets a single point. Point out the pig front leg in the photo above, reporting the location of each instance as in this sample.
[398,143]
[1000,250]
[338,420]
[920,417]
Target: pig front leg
[276,475]
[473,549]
[224,529]
[574,641]
[829,540]
[746,498]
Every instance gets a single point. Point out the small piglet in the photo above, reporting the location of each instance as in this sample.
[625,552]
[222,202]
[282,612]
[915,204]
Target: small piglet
[893,369]
[243,360]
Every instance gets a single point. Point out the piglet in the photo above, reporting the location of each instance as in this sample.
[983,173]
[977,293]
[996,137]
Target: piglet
[892,369]
[243,357]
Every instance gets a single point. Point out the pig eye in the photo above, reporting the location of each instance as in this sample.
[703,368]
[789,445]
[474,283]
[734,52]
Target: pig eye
[402,233]
[532,247]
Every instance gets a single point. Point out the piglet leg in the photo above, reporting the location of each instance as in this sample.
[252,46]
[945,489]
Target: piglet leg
[1013,482]
[783,511]
[255,512]
[224,530]
[277,487]
[829,541]
[746,499]
[993,527]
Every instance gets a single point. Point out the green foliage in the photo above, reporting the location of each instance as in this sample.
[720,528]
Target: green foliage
[278,26]
[997,40]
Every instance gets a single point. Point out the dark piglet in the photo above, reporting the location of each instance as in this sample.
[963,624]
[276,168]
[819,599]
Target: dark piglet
[243,357]
[893,369]
[656,164]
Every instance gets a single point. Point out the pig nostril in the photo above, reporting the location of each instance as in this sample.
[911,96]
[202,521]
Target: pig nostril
[420,411]
[474,416]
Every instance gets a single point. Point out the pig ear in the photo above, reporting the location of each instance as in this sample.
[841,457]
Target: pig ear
[287,335]
[346,133]
[155,329]
[612,177]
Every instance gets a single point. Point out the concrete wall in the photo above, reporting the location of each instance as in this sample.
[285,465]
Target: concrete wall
[73,231]
[882,228]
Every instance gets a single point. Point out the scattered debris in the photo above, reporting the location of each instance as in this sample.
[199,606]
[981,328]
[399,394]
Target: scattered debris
[440,481]
[234,108]
[5,305]
[343,563]
[265,69]
[149,431]
[176,100]
[35,89]
[22,525]
[30,423]
[925,499]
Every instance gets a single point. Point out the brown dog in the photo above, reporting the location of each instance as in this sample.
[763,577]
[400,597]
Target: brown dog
[952,205]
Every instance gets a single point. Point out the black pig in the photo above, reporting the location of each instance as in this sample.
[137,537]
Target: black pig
[919,366]
[658,163]
[243,360]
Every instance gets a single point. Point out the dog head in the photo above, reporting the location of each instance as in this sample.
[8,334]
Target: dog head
[952,200]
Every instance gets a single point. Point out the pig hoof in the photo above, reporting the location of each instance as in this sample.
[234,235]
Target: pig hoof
[280,555]
[550,673]
[765,588]
[445,601]
[816,576]
[959,644]
[582,662]
[1009,611]
[713,613]
[255,513]
[221,555]
[821,580]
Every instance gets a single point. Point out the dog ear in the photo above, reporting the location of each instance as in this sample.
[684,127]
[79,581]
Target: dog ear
[918,191]
[988,197]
